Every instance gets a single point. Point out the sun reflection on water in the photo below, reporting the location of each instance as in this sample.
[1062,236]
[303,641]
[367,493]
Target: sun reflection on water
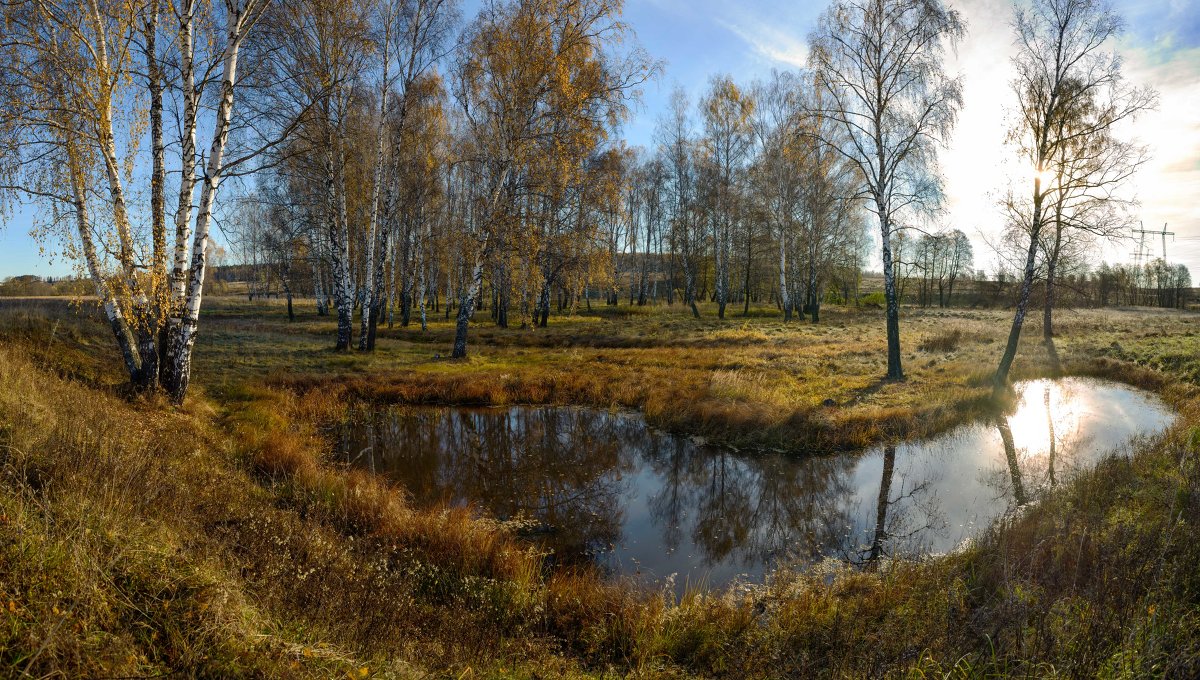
[1048,411]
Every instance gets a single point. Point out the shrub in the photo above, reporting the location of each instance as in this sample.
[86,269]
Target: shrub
[873,300]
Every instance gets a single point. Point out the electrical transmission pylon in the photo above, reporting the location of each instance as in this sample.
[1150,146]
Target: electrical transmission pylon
[1142,233]
[1141,247]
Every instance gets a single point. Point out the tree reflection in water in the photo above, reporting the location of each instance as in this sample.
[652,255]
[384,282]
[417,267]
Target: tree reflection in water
[747,510]
[562,469]
[1014,467]
[603,488]
[575,472]
[1050,427]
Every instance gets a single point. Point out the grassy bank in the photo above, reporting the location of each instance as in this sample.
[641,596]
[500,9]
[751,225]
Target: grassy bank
[217,540]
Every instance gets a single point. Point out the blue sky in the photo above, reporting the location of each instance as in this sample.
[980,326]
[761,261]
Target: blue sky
[698,38]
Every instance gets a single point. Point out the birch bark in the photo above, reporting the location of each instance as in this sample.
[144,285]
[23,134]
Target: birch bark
[178,371]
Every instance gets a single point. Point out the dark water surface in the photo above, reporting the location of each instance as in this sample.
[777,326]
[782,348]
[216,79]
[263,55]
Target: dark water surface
[606,488]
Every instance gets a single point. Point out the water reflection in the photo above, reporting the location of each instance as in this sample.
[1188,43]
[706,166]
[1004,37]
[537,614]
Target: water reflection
[604,488]
[1014,466]
[566,471]
[881,505]
[1050,429]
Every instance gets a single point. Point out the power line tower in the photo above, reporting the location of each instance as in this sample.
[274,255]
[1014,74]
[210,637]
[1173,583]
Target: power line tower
[1140,253]
[1165,234]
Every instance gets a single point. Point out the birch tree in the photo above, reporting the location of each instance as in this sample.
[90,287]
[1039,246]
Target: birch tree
[880,64]
[319,48]
[1086,205]
[777,120]
[416,201]
[830,213]
[677,145]
[414,36]
[1070,94]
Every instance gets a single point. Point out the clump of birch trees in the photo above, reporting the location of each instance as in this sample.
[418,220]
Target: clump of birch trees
[86,85]
[741,198]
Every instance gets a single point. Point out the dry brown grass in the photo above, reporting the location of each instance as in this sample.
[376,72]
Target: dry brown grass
[749,382]
[136,541]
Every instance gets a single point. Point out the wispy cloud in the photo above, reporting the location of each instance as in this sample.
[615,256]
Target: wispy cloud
[773,29]
[775,44]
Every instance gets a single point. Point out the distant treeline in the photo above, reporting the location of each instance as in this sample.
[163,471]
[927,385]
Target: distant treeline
[919,283]
[1155,284]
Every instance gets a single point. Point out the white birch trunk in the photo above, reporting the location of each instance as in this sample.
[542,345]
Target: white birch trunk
[112,308]
[373,280]
[187,155]
[178,373]
[784,299]
[339,242]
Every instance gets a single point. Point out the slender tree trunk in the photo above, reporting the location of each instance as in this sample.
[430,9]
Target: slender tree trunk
[396,265]
[160,287]
[139,322]
[373,274]
[689,285]
[814,295]
[339,246]
[894,370]
[406,298]
[187,184]
[785,302]
[670,293]
[722,282]
[1051,266]
[422,289]
[112,308]
[375,296]
[287,289]
[319,288]
[423,274]
[1000,380]
[465,308]
[749,262]
[544,300]
[1048,310]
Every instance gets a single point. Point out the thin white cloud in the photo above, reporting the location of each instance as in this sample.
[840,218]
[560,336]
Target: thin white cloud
[775,44]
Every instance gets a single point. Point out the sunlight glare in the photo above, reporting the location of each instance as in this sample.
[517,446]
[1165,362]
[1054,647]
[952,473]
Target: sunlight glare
[1031,421]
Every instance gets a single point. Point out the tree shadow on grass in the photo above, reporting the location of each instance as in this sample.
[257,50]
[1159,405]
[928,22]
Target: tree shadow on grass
[875,385]
[1052,356]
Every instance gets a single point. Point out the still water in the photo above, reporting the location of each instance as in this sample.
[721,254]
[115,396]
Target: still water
[601,487]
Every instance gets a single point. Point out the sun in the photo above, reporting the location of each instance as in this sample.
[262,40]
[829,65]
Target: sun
[1044,176]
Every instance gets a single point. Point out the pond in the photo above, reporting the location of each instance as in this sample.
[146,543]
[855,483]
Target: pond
[605,488]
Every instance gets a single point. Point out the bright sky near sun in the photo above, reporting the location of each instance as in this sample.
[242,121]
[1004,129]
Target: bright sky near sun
[698,38]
